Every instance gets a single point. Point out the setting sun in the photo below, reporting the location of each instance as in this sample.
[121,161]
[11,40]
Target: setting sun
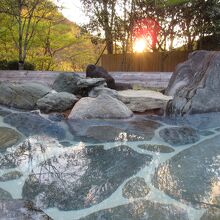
[140,45]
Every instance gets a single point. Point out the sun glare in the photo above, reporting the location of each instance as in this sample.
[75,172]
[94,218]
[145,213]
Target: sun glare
[140,45]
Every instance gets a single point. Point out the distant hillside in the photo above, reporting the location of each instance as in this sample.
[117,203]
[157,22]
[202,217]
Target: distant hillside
[57,44]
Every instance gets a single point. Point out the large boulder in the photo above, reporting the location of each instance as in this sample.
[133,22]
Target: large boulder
[57,102]
[23,96]
[103,106]
[33,150]
[143,100]
[195,85]
[94,71]
[67,82]
[185,72]
[82,177]
[75,84]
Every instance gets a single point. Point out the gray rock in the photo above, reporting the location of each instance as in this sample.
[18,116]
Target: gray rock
[140,210]
[135,188]
[13,175]
[185,72]
[57,102]
[103,106]
[156,148]
[4,195]
[67,82]
[143,100]
[103,91]
[21,210]
[83,177]
[22,96]
[8,138]
[192,176]
[196,85]
[94,71]
[75,84]
[177,136]
[211,214]
[33,124]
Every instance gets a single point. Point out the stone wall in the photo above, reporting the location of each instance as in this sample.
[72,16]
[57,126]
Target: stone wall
[143,79]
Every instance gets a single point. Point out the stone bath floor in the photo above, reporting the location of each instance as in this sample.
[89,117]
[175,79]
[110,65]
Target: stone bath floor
[143,168]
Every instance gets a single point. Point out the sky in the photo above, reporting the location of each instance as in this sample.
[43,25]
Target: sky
[72,10]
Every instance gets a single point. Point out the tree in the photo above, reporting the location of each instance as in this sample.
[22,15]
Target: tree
[102,15]
[7,47]
[58,44]
[62,46]
[25,16]
[183,20]
[161,21]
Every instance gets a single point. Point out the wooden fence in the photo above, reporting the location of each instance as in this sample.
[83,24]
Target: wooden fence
[143,62]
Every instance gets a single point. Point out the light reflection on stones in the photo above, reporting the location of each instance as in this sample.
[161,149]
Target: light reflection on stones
[192,176]
[81,178]
[31,152]
[135,188]
[57,178]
